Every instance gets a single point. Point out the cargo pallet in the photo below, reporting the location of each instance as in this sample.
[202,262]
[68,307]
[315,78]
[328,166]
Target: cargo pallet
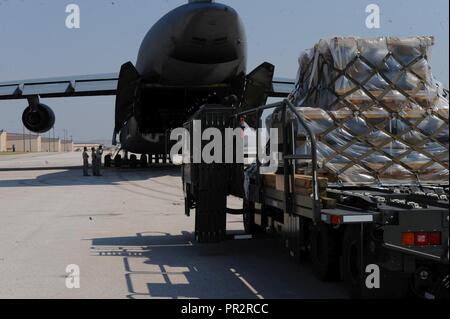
[402,230]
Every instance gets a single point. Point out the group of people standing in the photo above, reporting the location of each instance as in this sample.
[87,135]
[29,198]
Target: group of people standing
[96,158]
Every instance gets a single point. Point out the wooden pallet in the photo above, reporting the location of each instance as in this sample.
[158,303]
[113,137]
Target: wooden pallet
[317,114]
[303,183]
[303,187]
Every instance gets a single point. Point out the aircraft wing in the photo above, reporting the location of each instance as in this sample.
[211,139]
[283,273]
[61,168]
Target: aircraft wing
[282,87]
[93,85]
[83,85]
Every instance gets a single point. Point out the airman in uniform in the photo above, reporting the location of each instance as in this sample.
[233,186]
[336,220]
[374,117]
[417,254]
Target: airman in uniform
[85,162]
[94,161]
[99,156]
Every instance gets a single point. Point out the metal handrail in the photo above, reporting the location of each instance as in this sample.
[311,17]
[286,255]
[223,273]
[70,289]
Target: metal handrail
[288,104]
[312,137]
[260,108]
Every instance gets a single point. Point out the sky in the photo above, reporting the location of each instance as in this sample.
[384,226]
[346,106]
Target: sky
[35,43]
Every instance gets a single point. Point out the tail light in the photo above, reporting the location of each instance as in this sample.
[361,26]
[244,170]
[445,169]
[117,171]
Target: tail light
[335,220]
[435,238]
[408,239]
[422,239]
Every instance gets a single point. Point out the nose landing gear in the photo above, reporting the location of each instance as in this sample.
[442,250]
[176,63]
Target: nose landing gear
[120,159]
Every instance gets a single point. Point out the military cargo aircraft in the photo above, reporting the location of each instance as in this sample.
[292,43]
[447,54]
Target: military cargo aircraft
[193,55]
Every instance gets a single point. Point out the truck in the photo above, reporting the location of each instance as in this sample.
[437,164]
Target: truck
[371,213]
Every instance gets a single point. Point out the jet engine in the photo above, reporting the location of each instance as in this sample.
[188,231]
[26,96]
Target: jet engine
[38,118]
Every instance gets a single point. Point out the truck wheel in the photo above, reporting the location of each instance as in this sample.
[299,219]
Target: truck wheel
[324,256]
[351,261]
[354,262]
[249,218]
[393,285]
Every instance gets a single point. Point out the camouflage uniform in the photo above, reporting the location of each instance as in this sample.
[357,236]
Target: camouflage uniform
[94,162]
[99,156]
[85,163]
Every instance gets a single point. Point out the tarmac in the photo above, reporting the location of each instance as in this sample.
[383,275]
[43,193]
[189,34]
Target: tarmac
[127,234]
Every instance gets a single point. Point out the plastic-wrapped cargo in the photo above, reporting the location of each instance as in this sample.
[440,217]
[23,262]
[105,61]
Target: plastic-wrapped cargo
[377,112]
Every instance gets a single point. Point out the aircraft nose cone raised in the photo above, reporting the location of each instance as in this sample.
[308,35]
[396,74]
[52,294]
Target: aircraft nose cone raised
[211,35]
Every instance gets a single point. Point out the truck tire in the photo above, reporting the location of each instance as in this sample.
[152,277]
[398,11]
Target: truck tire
[351,261]
[324,254]
[354,262]
[393,285]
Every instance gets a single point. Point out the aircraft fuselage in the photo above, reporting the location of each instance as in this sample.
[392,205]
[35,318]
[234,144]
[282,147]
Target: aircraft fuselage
[194,54]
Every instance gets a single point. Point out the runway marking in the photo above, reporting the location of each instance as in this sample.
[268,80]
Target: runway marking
[143,247]
[131,251]
[246,283]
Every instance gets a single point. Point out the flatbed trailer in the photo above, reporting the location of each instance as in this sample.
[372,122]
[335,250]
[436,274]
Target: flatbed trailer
[383,241]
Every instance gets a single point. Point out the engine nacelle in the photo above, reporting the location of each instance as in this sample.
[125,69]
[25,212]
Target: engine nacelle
[39,118]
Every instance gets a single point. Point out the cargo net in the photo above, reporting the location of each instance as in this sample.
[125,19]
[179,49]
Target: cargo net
[378,114]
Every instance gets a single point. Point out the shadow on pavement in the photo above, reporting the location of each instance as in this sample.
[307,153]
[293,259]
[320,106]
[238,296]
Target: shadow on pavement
[74,177]
[173,266]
